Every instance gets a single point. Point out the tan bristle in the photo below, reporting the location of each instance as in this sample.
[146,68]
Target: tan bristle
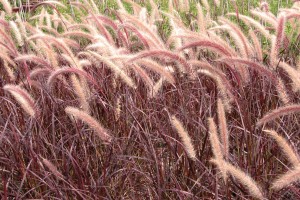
[184,136]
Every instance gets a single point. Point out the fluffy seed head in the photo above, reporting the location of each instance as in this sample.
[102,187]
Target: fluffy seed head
[183,134]
[93,123]
[23,98]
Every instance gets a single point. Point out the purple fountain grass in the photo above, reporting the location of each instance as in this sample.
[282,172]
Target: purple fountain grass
[256,45]
[282,111]
[226,96]
[245,46]
[116,69]
[7,7]
[39,71]
[265,17]
[66,70]
[208,44]
[242,177]
[139,34]
[101,132]
[52,168]
[285,147]
[115,26]
[200,18]
[59,43]
[293,73]
[287,179]
[80,34]
[159,53]
[33,58]
[143,74]
[23,98]
[144,27]
[9,70]
[223,130]
[5,57]
[156,67]
[254,23]
[253,65]
[214,140]
[217,72]
[102,29]
[16,33]
[184,136]
[122,74]
[8,40]
[282,92]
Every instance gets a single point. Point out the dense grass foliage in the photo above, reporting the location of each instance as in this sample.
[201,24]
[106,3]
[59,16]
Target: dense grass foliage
[141,101]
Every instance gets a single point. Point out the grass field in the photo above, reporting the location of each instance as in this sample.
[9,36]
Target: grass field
[150,100]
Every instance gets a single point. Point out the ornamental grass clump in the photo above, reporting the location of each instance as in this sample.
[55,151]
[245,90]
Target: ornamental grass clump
[87,88]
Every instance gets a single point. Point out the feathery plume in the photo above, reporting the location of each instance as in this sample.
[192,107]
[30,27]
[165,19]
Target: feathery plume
[7,7]
[265,17]
[280,30]
[242,40]
[77,71]
[93,123]
[241,176]
[222,88]
[157,86]
[200,18]
[256,45]
[286,148]
[159,53]
[273,53]
[5,57]
[287,179]
[250,21]
[39,71]
[214,139]
[33,58]
[80,34]
[9,71]
[206,5]
[285,110]
[16,32]
[282,93]
[118,108]
[114,68]
[254,65]
[58,42]
[294,75]
[211,45]
[183,134]
[142,73]
[154,66]
[223,128]
[80,91]
[48,20]
[23,98]
[52,168]
[21,25]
